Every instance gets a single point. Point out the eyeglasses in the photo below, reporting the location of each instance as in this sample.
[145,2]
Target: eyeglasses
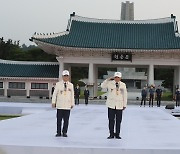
[116,77]
[65,75]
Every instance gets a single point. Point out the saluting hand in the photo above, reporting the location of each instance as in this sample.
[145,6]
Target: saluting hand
[110,78]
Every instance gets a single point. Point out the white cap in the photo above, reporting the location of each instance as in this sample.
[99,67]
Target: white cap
[118,74]
[65,72]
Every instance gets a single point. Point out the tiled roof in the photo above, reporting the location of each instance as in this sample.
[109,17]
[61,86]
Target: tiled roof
[83,33]
[29,70]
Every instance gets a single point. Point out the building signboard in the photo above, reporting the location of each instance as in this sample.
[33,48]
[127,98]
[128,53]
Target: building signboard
[122,56]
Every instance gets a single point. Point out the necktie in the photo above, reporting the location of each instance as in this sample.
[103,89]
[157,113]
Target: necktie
[65,86]
[117,88]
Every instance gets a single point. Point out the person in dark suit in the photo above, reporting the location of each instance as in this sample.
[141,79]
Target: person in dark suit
[77,94]
[144,95]
[158,96]
[53,87]
[177,96]
[151,95]
[86,95]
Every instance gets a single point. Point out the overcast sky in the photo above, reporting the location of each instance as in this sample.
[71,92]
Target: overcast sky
[19,19]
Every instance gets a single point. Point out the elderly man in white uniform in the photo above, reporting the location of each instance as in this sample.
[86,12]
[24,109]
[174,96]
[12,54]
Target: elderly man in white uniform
[116,103]
[63,100]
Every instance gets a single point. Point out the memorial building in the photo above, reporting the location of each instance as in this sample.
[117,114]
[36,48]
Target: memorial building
[95,43]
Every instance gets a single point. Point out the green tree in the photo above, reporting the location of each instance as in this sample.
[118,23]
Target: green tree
[166,75]
[36,54]
[7,48]
[12,51]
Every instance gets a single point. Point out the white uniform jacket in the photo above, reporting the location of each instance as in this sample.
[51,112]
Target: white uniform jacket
[117,98]
[63,98]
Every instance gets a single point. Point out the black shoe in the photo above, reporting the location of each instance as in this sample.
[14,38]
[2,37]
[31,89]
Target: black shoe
[58,135]
[117,137]
[110,137]
[65,135]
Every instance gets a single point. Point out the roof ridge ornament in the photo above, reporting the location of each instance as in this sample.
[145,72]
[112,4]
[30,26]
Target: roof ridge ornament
[73,14]
[70,21]
[173,17]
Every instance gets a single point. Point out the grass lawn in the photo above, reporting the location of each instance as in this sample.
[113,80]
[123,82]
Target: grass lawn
[4,117]
[167,96]
[99,93]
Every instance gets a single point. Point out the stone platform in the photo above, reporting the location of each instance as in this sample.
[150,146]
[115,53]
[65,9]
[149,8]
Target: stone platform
[144,131]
